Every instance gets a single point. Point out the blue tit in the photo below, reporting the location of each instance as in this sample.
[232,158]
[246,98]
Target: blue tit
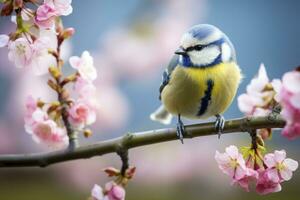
[201,79]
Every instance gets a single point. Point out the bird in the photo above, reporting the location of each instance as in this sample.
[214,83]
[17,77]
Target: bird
[201,80]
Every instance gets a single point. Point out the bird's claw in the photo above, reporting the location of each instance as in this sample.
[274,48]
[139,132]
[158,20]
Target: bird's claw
[180,130]
[219,125]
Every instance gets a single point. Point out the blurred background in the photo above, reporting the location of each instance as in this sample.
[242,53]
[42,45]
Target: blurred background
[132,42]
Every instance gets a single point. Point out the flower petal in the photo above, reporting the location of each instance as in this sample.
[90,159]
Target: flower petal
[277,85]
[4,40]
[291,164]
[258,83]
[272,175]
[245,104]
[286,174]
[74,62]
[232,151]
[240,173]
[279,156]
[269,160]
[97,192]
[295,100]
[291,81]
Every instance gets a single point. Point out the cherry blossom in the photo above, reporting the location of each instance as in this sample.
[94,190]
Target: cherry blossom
[112,191]
[81,114]
[32,55]
[289,97]
[62,7]
[49,133]
[41,127]
[47,12]
[266,183]
[45,16]
[260,93]
[233,164]
[280,167]
[44,130]
[20,52]
[84,65]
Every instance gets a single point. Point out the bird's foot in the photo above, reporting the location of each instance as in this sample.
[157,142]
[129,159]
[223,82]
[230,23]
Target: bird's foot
[180,129]
[219,124]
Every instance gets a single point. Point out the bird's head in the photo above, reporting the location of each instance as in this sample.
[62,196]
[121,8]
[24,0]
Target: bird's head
[203,46]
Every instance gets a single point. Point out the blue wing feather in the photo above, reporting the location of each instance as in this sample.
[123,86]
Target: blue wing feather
[167,73]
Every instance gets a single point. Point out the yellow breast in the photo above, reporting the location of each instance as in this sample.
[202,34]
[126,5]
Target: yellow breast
[201,93]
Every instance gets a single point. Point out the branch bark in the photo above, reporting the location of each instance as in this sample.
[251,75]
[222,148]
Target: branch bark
[132,140]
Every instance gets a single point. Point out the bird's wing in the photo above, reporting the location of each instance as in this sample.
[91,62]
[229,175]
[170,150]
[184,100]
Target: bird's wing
[167,73]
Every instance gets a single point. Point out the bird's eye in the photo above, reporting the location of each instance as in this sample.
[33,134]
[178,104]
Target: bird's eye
[198,47]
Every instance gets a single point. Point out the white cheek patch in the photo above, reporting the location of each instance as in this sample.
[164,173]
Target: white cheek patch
[205,56]
[226,52]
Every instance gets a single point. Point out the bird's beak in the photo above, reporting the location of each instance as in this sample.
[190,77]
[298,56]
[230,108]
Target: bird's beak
[180,51]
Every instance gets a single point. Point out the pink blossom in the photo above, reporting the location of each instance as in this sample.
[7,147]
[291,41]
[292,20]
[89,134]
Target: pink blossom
[258,97]
[291,131]
[20,52]
[81,114]
[84,65]
[267,183]
[250,175]
[62,7]
[233,164]
[42,129]
[4,40]
[37,116]
[32,55]
[47,12]
[114,191]
[280,168]
[45,16]
[49,133]
[289,97]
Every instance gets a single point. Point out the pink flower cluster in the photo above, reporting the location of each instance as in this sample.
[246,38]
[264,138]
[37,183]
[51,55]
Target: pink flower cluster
[289,98]
[30,45]
[31,54]
[49,10]
[41,127]
[258,100]
[112,191]
[276,169]
[262,95]
[36,44]
[83,111]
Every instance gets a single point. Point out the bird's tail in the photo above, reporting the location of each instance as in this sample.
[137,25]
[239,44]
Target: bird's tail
[161,115]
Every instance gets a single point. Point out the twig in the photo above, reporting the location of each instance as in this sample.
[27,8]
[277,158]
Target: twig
[132,140]
[63,96]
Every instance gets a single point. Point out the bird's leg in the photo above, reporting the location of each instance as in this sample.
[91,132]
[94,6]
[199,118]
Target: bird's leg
[180,129]
[219,124]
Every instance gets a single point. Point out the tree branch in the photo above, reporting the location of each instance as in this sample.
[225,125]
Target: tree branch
[132,140]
